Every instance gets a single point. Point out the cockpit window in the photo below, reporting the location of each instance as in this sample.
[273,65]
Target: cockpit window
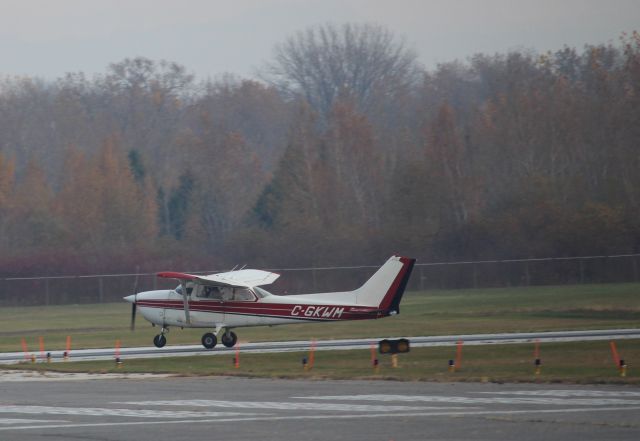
[211,292]
[262,293]
[243,295]
[189,288]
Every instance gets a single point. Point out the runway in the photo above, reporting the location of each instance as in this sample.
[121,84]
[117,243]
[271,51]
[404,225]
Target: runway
[146,409]
[293,346]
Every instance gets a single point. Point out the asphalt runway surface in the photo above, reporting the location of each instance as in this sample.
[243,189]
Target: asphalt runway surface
[144,408]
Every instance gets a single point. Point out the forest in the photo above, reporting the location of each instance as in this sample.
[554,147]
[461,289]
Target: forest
[342,151]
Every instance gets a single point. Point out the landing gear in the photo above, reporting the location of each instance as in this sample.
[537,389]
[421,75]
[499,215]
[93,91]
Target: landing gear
[209,340]
[229,339]
[159,340]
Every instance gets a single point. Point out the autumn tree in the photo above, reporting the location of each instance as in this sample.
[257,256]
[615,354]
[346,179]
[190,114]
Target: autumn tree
[31,226]
[102,205]
[249,108]
[291,197]
[7,177]
[353,61]
[144,102]
[353,167]
[227,179]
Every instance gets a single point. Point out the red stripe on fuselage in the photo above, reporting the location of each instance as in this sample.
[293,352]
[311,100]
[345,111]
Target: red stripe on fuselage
[294,311]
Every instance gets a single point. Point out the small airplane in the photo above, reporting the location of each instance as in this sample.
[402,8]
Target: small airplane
[235,299]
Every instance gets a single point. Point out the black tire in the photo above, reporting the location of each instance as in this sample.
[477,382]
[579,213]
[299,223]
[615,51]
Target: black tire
[230,339]
[159,340]
[209,340]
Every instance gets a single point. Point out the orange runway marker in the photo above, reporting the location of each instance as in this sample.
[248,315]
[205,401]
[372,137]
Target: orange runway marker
[67,351]
[23,342]
[459,354]
[614,353]
[312,354]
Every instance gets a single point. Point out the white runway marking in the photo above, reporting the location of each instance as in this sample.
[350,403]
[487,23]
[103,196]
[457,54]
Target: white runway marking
[568,393]
[320,417]
[281,405]
[25,421]
[140,413]
[479,400]
[335,407]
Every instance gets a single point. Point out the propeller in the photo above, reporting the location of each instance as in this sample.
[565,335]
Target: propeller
[133,315]
[133,303]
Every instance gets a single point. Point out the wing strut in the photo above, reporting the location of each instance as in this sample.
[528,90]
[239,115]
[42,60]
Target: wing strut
[185,301]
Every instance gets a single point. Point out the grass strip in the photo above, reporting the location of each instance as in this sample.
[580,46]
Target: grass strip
[578,363]
[450,312]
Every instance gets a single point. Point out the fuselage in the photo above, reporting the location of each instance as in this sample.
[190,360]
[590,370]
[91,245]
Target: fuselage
[256,308]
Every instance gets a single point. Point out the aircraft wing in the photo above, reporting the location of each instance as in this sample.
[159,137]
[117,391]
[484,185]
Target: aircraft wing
[246,278]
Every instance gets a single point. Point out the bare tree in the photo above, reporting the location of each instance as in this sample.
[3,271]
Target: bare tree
[357,61]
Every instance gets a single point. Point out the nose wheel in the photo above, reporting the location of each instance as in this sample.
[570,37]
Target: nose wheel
[159,340]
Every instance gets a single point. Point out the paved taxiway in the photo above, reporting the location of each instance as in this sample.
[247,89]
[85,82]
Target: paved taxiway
[217,408]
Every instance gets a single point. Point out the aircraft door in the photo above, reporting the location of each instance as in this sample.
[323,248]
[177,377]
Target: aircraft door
[210,302]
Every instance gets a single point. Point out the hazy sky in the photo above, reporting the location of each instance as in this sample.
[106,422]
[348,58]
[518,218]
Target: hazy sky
[50,37]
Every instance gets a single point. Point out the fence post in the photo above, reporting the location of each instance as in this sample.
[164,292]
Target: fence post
[581,262]
[421,278]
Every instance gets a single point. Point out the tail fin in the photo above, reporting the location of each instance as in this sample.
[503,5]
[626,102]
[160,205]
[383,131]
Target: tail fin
[385,288]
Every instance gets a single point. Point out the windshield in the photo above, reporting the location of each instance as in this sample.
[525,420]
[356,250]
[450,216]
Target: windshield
[189,288]
[262,293]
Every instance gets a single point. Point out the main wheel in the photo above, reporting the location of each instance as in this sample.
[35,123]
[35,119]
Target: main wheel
[209,340]
[159,340]
[229,339]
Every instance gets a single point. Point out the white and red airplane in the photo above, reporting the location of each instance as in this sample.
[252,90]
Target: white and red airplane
[235,299]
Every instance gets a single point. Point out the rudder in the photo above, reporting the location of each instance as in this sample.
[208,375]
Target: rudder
[385,288]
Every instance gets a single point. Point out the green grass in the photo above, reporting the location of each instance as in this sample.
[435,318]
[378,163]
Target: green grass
[582,362]
[422,313]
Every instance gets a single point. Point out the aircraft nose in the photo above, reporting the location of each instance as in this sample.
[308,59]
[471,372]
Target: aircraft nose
[131,298]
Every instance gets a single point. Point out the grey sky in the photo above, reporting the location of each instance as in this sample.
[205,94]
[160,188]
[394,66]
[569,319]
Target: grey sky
[50,37]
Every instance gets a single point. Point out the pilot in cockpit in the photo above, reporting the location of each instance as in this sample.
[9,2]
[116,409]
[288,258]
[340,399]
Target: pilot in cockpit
[211,292]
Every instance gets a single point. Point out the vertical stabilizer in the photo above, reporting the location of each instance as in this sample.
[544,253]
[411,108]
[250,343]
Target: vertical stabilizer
[385,288]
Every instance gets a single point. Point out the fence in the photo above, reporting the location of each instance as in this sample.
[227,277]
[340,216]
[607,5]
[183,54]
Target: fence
[26,291]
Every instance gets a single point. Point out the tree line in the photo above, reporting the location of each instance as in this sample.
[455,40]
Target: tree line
[344,151]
